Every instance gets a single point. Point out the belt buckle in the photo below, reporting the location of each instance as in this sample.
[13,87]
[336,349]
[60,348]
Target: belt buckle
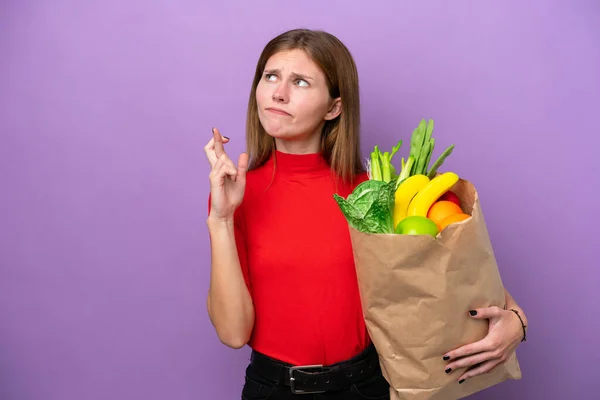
[293,380]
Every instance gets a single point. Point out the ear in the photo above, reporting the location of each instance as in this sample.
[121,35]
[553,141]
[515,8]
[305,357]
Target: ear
[334,110]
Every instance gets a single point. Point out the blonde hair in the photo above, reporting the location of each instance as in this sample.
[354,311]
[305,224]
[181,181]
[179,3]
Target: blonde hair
[340,141]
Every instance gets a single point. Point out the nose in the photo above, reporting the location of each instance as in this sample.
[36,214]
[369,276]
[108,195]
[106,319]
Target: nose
[280,94]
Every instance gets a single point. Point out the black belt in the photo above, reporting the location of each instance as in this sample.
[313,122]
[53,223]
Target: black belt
[304,379]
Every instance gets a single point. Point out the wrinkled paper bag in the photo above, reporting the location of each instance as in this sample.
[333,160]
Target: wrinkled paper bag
[416,292]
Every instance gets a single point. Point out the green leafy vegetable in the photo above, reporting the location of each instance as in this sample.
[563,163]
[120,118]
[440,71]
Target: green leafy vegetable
[406,169]
[422,145]
[416,142]
[420,164]
[428,131]
[440,161]
[369,208]
[426,164]
[382,168]
[376,164]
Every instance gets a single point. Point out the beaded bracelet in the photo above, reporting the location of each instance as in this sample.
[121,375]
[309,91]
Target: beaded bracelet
[522,324]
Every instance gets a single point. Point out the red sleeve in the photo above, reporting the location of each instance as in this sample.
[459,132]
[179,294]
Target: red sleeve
[240,241]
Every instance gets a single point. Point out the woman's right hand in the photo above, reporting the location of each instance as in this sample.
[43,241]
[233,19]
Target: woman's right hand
[227,183]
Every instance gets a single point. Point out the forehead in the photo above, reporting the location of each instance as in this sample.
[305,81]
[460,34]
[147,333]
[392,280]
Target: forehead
[293,61]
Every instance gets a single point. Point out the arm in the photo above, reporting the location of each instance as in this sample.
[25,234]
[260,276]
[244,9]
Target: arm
[511,303]
[229,302]
[505,333]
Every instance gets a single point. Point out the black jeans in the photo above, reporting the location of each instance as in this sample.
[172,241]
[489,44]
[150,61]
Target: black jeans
[261,384]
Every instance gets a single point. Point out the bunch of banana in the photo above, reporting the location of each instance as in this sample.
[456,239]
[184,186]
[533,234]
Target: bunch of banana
[417,193]
[405,193]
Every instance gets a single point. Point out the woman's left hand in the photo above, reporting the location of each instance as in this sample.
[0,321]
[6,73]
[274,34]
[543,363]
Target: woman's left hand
[504,335]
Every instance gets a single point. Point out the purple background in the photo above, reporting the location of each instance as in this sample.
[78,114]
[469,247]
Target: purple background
[105,107]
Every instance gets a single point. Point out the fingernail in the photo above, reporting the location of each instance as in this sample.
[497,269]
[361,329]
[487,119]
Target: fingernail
[448,370]
[461,381]
[473,312]
[213,130]
[226,137]
[446,358]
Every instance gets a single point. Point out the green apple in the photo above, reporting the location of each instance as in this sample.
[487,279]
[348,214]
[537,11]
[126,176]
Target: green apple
[417,225]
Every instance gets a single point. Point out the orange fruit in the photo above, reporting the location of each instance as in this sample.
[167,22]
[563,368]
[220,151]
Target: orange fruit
[451,219]
[442,209]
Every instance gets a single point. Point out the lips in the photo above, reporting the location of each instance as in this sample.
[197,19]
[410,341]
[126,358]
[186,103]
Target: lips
[278,111]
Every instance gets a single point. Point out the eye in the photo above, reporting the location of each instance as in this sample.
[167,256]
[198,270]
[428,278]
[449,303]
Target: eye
[302,82]
[270,77]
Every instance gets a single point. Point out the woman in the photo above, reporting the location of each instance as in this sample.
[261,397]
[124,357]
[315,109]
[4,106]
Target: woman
[282,274]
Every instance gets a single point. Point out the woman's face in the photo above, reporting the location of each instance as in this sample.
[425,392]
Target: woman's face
[293,97]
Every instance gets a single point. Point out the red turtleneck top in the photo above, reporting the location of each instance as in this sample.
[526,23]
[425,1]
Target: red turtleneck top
[296,256]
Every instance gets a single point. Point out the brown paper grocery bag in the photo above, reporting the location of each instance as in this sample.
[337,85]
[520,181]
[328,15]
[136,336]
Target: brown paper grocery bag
[416,292]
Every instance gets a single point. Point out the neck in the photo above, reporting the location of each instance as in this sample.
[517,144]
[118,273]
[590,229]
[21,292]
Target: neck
[308,145]
[297,147]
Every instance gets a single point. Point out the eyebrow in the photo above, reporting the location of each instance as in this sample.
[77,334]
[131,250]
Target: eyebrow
[295,74]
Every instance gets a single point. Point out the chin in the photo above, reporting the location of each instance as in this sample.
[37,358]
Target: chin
[276,129]
[281,134]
